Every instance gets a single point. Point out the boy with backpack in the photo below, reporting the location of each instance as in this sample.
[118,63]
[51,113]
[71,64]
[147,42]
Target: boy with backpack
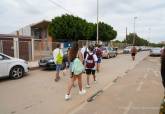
[90,65]
[58,59]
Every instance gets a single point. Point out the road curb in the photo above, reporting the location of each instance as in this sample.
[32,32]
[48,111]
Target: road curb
[33,68]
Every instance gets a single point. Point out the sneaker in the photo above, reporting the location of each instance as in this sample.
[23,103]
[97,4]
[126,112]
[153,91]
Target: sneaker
[57,79]
[67,97]
[82,92]
[95,81]
[87,86]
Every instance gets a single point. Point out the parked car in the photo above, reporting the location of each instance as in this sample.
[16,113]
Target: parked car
[127,50]
[155,52]
[108,52]
[113,51]
[144,48]
[12,67]
[48,62]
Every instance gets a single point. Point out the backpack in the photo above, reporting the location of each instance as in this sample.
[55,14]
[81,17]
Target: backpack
[59,58]
[77,67]
[85,53]
[90,63]
[98,53]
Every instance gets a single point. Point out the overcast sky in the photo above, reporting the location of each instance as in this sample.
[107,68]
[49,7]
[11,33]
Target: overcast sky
[150,23]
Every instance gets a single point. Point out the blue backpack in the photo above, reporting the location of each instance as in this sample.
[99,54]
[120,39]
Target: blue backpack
[77,67]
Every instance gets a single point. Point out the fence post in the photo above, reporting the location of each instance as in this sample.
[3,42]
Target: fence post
[32,44]
[16,47]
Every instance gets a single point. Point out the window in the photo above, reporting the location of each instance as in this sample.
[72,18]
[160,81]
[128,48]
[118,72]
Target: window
[2,57]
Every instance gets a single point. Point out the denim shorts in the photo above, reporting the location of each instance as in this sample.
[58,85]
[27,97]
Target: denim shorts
[99,60]
[58,67]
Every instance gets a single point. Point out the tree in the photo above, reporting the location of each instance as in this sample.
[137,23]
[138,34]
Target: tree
[138,41]
[74,28]
[106,32]
[68,27]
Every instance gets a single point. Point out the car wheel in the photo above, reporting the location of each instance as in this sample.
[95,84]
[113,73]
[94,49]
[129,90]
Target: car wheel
[16,72]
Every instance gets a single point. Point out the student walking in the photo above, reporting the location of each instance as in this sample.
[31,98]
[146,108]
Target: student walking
[163,67]
[98,53]
[162,109]
[90,64]
[133,52]
[84,51]
[58,59]
[76,69]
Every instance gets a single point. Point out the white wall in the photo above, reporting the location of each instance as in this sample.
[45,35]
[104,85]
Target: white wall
[25,31]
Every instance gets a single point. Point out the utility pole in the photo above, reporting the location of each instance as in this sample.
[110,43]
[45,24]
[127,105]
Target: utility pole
[134,31]
[149,31]
[97,38]
[126,35]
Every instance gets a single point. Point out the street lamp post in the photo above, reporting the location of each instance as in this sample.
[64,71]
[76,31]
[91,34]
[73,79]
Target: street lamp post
[149,30]
[134,31]
[97,37]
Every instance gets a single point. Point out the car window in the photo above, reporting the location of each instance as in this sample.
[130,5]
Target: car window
[2,57]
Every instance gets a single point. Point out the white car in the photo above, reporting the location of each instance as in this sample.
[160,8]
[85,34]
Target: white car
[155,52]
[12,67]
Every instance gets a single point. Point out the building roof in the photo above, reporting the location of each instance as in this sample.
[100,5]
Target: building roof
[41,24]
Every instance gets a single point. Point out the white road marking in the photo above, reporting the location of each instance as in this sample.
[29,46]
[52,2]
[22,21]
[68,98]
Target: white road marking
[140,86]
[127,109]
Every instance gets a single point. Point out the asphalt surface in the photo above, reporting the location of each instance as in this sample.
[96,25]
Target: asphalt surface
[137,92]
[37,93]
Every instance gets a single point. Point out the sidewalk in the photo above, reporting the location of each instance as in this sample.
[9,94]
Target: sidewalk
[140,91]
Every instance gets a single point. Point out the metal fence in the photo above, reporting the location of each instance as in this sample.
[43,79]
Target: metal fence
[36,49]
[18,49]
[7,47]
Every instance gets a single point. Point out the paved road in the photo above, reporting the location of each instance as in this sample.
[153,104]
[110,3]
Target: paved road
[37,93]
[138,92]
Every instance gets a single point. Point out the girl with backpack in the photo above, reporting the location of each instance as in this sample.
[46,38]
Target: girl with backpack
[90,65]
[98,53]
[76,68]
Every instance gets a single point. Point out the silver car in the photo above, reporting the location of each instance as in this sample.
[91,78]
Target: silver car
[127,50]
[155,52]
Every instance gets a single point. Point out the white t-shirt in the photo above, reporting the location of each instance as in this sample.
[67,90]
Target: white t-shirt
[83,50]
[94,57]
[55,53]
